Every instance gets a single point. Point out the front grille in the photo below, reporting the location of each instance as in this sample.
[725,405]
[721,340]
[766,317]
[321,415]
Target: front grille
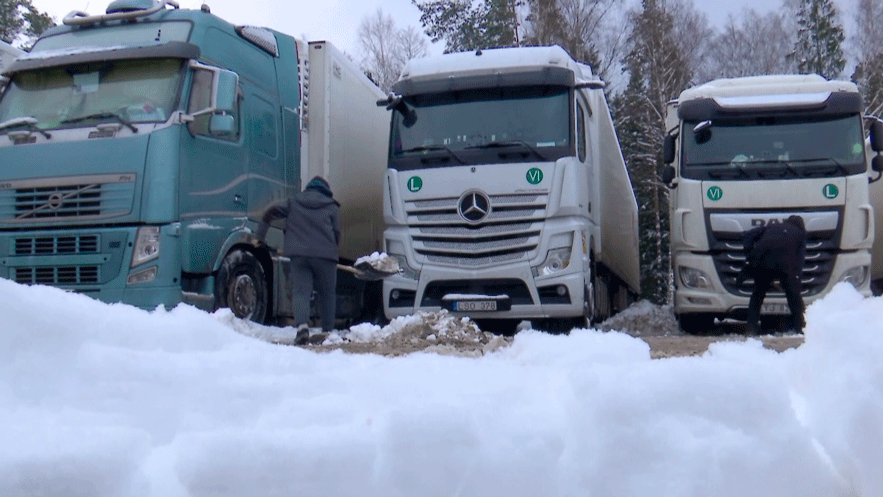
[510,231]
[727,250]
[93,197]
[51,245]
[57,275]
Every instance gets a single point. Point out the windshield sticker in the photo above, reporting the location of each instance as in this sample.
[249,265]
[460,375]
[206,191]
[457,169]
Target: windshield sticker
[830,191]
[86,83]
[715,193]
[534,176]
[857,148]
[415,183]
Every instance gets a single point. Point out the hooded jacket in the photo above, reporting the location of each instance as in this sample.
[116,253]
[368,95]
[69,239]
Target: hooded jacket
[312,224]
[777,248]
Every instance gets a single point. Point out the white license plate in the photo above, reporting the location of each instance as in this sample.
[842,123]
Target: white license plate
[475,305]
[775,309]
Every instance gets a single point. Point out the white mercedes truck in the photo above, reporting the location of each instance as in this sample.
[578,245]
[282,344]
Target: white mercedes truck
[752,151]
[507,197]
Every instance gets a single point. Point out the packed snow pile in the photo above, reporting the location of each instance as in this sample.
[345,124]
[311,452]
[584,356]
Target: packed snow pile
[643,318]
[438,332]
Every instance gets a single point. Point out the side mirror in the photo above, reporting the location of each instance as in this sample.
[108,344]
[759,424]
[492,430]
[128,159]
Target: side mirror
[223,89]
[876,136]
[222,125]
[668,149]
[877,163]
[668,174]
[226,87]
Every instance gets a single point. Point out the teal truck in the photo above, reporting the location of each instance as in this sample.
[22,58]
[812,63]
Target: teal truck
[139,148]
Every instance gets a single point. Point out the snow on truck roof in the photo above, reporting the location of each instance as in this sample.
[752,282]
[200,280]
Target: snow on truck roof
[499,60]
[768,89]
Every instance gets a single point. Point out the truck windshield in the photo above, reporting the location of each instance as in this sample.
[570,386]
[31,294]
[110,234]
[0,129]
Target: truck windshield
[496,125]
[128,91]
[765,147]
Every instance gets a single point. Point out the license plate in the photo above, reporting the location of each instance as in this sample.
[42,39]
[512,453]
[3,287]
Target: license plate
[775,309]
[475,305]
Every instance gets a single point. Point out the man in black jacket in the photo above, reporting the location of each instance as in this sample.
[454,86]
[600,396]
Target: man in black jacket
[312,236]
[775,252]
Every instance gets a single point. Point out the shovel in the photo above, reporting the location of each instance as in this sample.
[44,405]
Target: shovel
[373,268]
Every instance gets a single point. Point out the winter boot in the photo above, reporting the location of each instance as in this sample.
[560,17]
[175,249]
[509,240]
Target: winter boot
[303,335]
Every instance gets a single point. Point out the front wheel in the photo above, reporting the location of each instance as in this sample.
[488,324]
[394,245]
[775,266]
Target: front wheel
[241,285]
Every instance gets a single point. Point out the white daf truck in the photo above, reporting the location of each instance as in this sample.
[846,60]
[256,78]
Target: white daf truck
[507,197]
[752,151]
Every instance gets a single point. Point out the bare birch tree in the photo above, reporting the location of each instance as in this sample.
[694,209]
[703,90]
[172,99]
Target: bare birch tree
[867,41]
[750,44]
[385,48]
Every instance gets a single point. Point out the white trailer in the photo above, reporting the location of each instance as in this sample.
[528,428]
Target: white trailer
[507,197]
[752,151]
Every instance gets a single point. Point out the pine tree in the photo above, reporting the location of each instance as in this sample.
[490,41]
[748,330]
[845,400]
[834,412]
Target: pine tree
[465,25]
[819,39]
[658,70]
[21,22]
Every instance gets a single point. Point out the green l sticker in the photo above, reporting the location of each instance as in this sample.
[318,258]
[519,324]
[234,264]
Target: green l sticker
[715,193]
[415,183]
[534,176]
[830,191]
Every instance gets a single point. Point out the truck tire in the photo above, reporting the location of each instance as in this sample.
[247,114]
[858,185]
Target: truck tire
[241,285]
[696,324]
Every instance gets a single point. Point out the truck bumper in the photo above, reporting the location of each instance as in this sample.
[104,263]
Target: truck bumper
[558,296]
[95,262]
[717,301]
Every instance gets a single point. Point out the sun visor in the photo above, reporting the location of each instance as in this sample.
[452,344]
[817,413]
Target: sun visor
[65,57]
[825,103]
[439,83]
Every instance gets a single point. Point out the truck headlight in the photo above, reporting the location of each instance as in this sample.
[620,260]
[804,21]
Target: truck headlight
[397,249]
[856,276]
[558,257]
[694,278]
[146,245]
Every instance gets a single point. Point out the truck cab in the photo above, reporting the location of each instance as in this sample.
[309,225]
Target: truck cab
[748,152]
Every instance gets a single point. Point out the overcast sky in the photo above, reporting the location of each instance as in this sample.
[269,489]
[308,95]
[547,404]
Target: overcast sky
[338,20]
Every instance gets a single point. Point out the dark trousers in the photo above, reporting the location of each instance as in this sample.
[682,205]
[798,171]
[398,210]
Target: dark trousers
[308,273]
[792,287]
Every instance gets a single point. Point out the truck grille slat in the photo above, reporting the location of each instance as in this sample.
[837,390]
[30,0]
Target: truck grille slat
[57,275]
[508,233]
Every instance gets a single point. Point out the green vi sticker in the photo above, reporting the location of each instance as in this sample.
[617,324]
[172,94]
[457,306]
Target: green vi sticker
[415,183]
[830,191]
[534,176]
[715,193]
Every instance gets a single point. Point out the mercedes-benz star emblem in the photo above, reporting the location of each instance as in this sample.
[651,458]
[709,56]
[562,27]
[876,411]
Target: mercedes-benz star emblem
[474,206]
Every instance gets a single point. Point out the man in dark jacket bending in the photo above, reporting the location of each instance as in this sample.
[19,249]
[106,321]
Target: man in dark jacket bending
[775,252]
[312,235]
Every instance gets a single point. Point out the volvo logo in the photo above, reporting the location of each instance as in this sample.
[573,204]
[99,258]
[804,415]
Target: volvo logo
[55,201]
[474,206]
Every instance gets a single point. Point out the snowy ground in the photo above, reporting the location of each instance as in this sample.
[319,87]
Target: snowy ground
[107,400]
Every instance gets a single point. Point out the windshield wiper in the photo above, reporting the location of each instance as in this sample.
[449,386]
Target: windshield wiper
[30,122]
[510,143]
[433,148]
[103,115]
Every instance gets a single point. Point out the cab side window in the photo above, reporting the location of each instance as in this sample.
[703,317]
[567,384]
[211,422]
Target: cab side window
[200,98]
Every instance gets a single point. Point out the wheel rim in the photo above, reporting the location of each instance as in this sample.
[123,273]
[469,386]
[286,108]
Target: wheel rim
[244,296]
